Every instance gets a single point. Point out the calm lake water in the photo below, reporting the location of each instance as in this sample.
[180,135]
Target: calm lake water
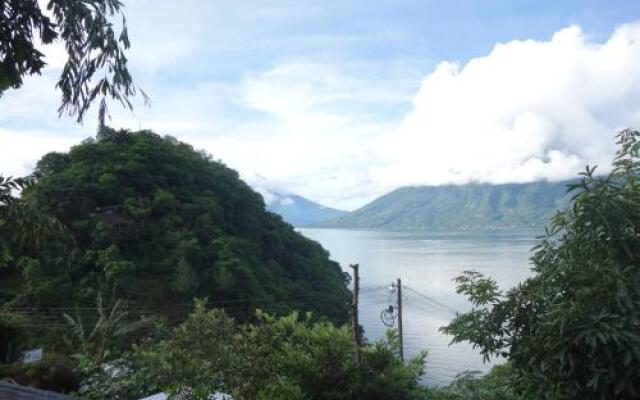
[426,263]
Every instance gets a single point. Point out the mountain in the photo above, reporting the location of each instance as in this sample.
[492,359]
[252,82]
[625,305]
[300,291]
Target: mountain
[154,222]
[299,211]
[471,206]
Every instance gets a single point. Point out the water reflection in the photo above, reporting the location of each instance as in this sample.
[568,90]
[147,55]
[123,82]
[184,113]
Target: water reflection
[427,263]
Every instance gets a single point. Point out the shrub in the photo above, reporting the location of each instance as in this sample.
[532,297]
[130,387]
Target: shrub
[572,330]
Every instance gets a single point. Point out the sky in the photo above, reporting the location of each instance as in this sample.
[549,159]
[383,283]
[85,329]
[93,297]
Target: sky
[342,101]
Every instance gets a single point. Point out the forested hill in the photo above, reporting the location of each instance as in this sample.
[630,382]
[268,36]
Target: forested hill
[472,206]
[156,223]
[299,211]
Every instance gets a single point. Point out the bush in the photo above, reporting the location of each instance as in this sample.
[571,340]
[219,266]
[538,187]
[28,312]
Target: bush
[13,336]
[573,329]
[495,385]
[275,358]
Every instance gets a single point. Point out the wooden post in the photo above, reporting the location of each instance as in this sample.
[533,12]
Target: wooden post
[357,339]
[354,311]
[400,319]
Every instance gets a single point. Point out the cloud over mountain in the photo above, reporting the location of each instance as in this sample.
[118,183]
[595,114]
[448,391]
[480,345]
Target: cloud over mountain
[341,117]
[528,110]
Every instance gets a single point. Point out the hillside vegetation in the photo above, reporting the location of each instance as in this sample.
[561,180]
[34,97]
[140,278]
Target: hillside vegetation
[472,206]
[153,222]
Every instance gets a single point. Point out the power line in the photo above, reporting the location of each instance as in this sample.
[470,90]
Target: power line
[51,317]
[319,296]
[432,300]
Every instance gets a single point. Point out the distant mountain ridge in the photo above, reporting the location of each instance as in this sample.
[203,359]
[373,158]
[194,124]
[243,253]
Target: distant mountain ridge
[299,211]
[470,206]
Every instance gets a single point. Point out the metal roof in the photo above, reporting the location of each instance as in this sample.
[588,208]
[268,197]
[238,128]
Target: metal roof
[12,391]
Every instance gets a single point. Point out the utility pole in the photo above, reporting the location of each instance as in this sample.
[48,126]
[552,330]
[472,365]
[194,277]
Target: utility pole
[400,319]
[357,337]
[357,334]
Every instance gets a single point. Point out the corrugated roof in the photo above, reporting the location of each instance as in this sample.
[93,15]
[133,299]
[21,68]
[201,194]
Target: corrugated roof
[12,391]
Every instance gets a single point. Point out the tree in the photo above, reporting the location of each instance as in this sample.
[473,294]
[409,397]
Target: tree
[289,357]
[159,223]
[94,342]
[94,49]
[21,226]
[472,385]
[7,186]
[572,330]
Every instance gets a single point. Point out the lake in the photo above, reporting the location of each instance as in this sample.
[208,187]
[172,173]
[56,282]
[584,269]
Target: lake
[427,264]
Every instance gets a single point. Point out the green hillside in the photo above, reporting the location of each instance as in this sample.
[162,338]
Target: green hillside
[472,206]
[156,223]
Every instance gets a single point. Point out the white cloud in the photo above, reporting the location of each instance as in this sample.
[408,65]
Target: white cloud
[270,191]
[19,148]
[309,129]
[287,201]
[341,130]
[529,110]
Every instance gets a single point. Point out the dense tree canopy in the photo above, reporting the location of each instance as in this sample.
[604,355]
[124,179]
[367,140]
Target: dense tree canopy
[7,186]
[93,46]
[155,223]
[572,331]
[22,226]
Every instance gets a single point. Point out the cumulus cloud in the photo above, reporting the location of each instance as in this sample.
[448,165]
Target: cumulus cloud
[308,129]
[341,131]
[529,110]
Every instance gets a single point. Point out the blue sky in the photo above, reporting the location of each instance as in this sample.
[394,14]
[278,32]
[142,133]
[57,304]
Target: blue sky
[341,101]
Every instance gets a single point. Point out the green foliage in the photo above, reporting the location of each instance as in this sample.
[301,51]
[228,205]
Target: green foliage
[185,280]
[22,226]
[94,342]
[155,222]
[117,383]
[14,336]
[93,47]
[496,385]
[275,358]
[7,186]
[572,330]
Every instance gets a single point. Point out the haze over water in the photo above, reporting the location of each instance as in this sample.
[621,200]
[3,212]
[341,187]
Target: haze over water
[427,263]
